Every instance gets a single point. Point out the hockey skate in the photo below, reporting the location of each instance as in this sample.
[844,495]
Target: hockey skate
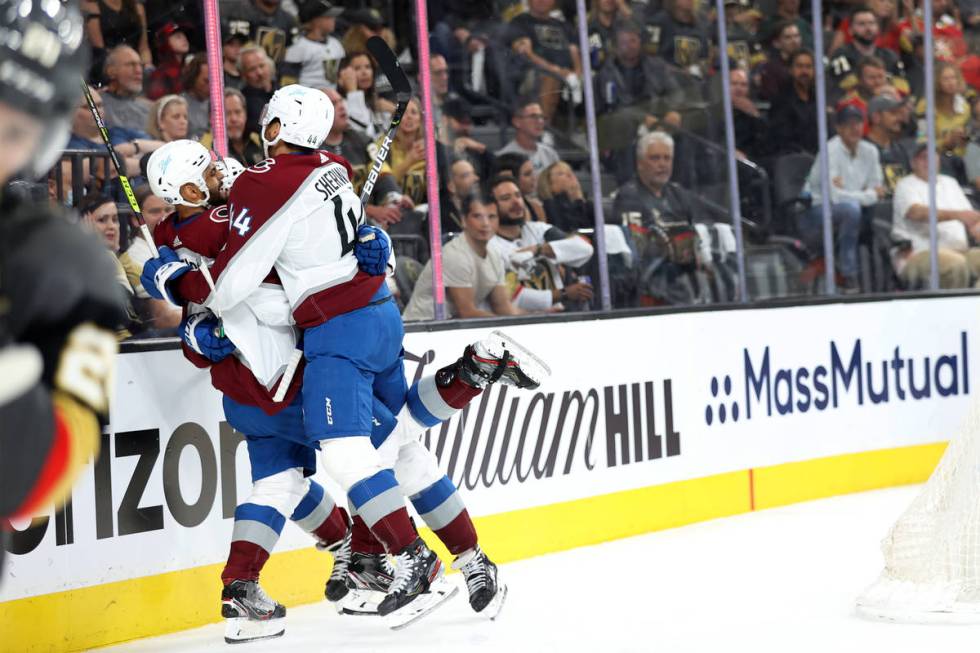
[249,613]
[418,587]
[368,580]
[336,588]
[487,594]
[500,358]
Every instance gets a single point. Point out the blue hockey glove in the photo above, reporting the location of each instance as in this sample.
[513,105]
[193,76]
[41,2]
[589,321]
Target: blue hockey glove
[202,332]
[372,249]
[158,272]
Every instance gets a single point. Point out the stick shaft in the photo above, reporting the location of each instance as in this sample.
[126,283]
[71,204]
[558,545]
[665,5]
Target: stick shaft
[123,179]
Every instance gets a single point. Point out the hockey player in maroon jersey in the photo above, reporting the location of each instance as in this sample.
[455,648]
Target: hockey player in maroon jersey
[416,469]
[183,174]
[297,212]
[59,301]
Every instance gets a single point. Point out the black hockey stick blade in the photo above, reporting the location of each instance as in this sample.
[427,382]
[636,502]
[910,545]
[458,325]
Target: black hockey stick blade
[390,67]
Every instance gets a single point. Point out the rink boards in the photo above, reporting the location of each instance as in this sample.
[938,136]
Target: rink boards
[647,423]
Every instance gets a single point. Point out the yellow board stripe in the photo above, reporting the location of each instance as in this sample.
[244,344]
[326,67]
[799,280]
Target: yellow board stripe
[154,605]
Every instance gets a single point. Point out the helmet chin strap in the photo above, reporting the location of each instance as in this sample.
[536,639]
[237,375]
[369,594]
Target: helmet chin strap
[266,144]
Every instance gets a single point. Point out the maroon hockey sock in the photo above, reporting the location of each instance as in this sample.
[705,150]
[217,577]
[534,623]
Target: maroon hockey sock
[334,527]
[363,540]
[459,534]
[396,530]
[245,562]
[452,389]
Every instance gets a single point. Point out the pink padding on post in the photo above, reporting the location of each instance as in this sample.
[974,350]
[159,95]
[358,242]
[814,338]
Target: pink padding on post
[216,76]
[431,171]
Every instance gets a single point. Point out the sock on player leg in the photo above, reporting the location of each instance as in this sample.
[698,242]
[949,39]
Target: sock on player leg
[256,532]
[434,399]
[318,515]
[362,539]
[379,502]
[442,509]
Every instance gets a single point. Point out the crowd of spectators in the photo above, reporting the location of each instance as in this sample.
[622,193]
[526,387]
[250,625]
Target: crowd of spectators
[515,196]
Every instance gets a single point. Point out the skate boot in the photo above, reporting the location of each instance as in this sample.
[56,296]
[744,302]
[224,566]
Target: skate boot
[500,358]
[417,588]
[249,613]
[486,592]
[368,579]
[336,588]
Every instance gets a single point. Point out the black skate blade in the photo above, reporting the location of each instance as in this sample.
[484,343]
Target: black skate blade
[439,592]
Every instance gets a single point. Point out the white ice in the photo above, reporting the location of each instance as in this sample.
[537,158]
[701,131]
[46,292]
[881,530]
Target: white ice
[776,580]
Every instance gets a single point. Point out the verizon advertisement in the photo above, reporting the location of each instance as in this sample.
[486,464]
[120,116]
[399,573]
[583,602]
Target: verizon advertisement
[632,402]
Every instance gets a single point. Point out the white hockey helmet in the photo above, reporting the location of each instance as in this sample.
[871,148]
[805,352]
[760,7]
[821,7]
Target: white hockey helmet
[230,169]
[175,164]
[305,117]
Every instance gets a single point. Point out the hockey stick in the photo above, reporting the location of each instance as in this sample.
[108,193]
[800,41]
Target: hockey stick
[389,65]
[123,179]
[403,94]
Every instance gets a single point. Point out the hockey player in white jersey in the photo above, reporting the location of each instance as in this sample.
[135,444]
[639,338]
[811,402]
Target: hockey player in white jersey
[296,212]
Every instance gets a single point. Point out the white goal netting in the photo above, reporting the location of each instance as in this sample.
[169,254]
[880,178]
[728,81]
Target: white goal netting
[932,553]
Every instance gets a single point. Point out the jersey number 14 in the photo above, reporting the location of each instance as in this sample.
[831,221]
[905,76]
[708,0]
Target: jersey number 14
[347,239]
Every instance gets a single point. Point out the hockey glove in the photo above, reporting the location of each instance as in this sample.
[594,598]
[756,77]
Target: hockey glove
[372,250]
[202,332]
[158,272]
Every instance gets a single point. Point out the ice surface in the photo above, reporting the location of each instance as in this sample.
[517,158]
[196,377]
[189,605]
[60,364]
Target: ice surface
[776,580]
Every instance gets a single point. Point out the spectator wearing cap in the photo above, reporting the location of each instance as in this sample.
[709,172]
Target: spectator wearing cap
[387,202]
[123,98]
[679,37]
[257,71]
[872,80]
[111,23]
[197,94]
[473,272]
[233,37]
[267,24]
[549,44]
[244,146]
[171,48]
[364,23]
[529,121]
[772,75]
[864,30]
[886,115]
[634,88]
[793,115]
[856,185]
[315,56]
[959,263]
[787,11]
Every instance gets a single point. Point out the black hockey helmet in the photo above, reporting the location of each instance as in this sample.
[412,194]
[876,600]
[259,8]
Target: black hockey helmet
[42,64]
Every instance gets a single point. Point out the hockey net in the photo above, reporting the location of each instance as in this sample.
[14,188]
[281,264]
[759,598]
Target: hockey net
[932,553]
